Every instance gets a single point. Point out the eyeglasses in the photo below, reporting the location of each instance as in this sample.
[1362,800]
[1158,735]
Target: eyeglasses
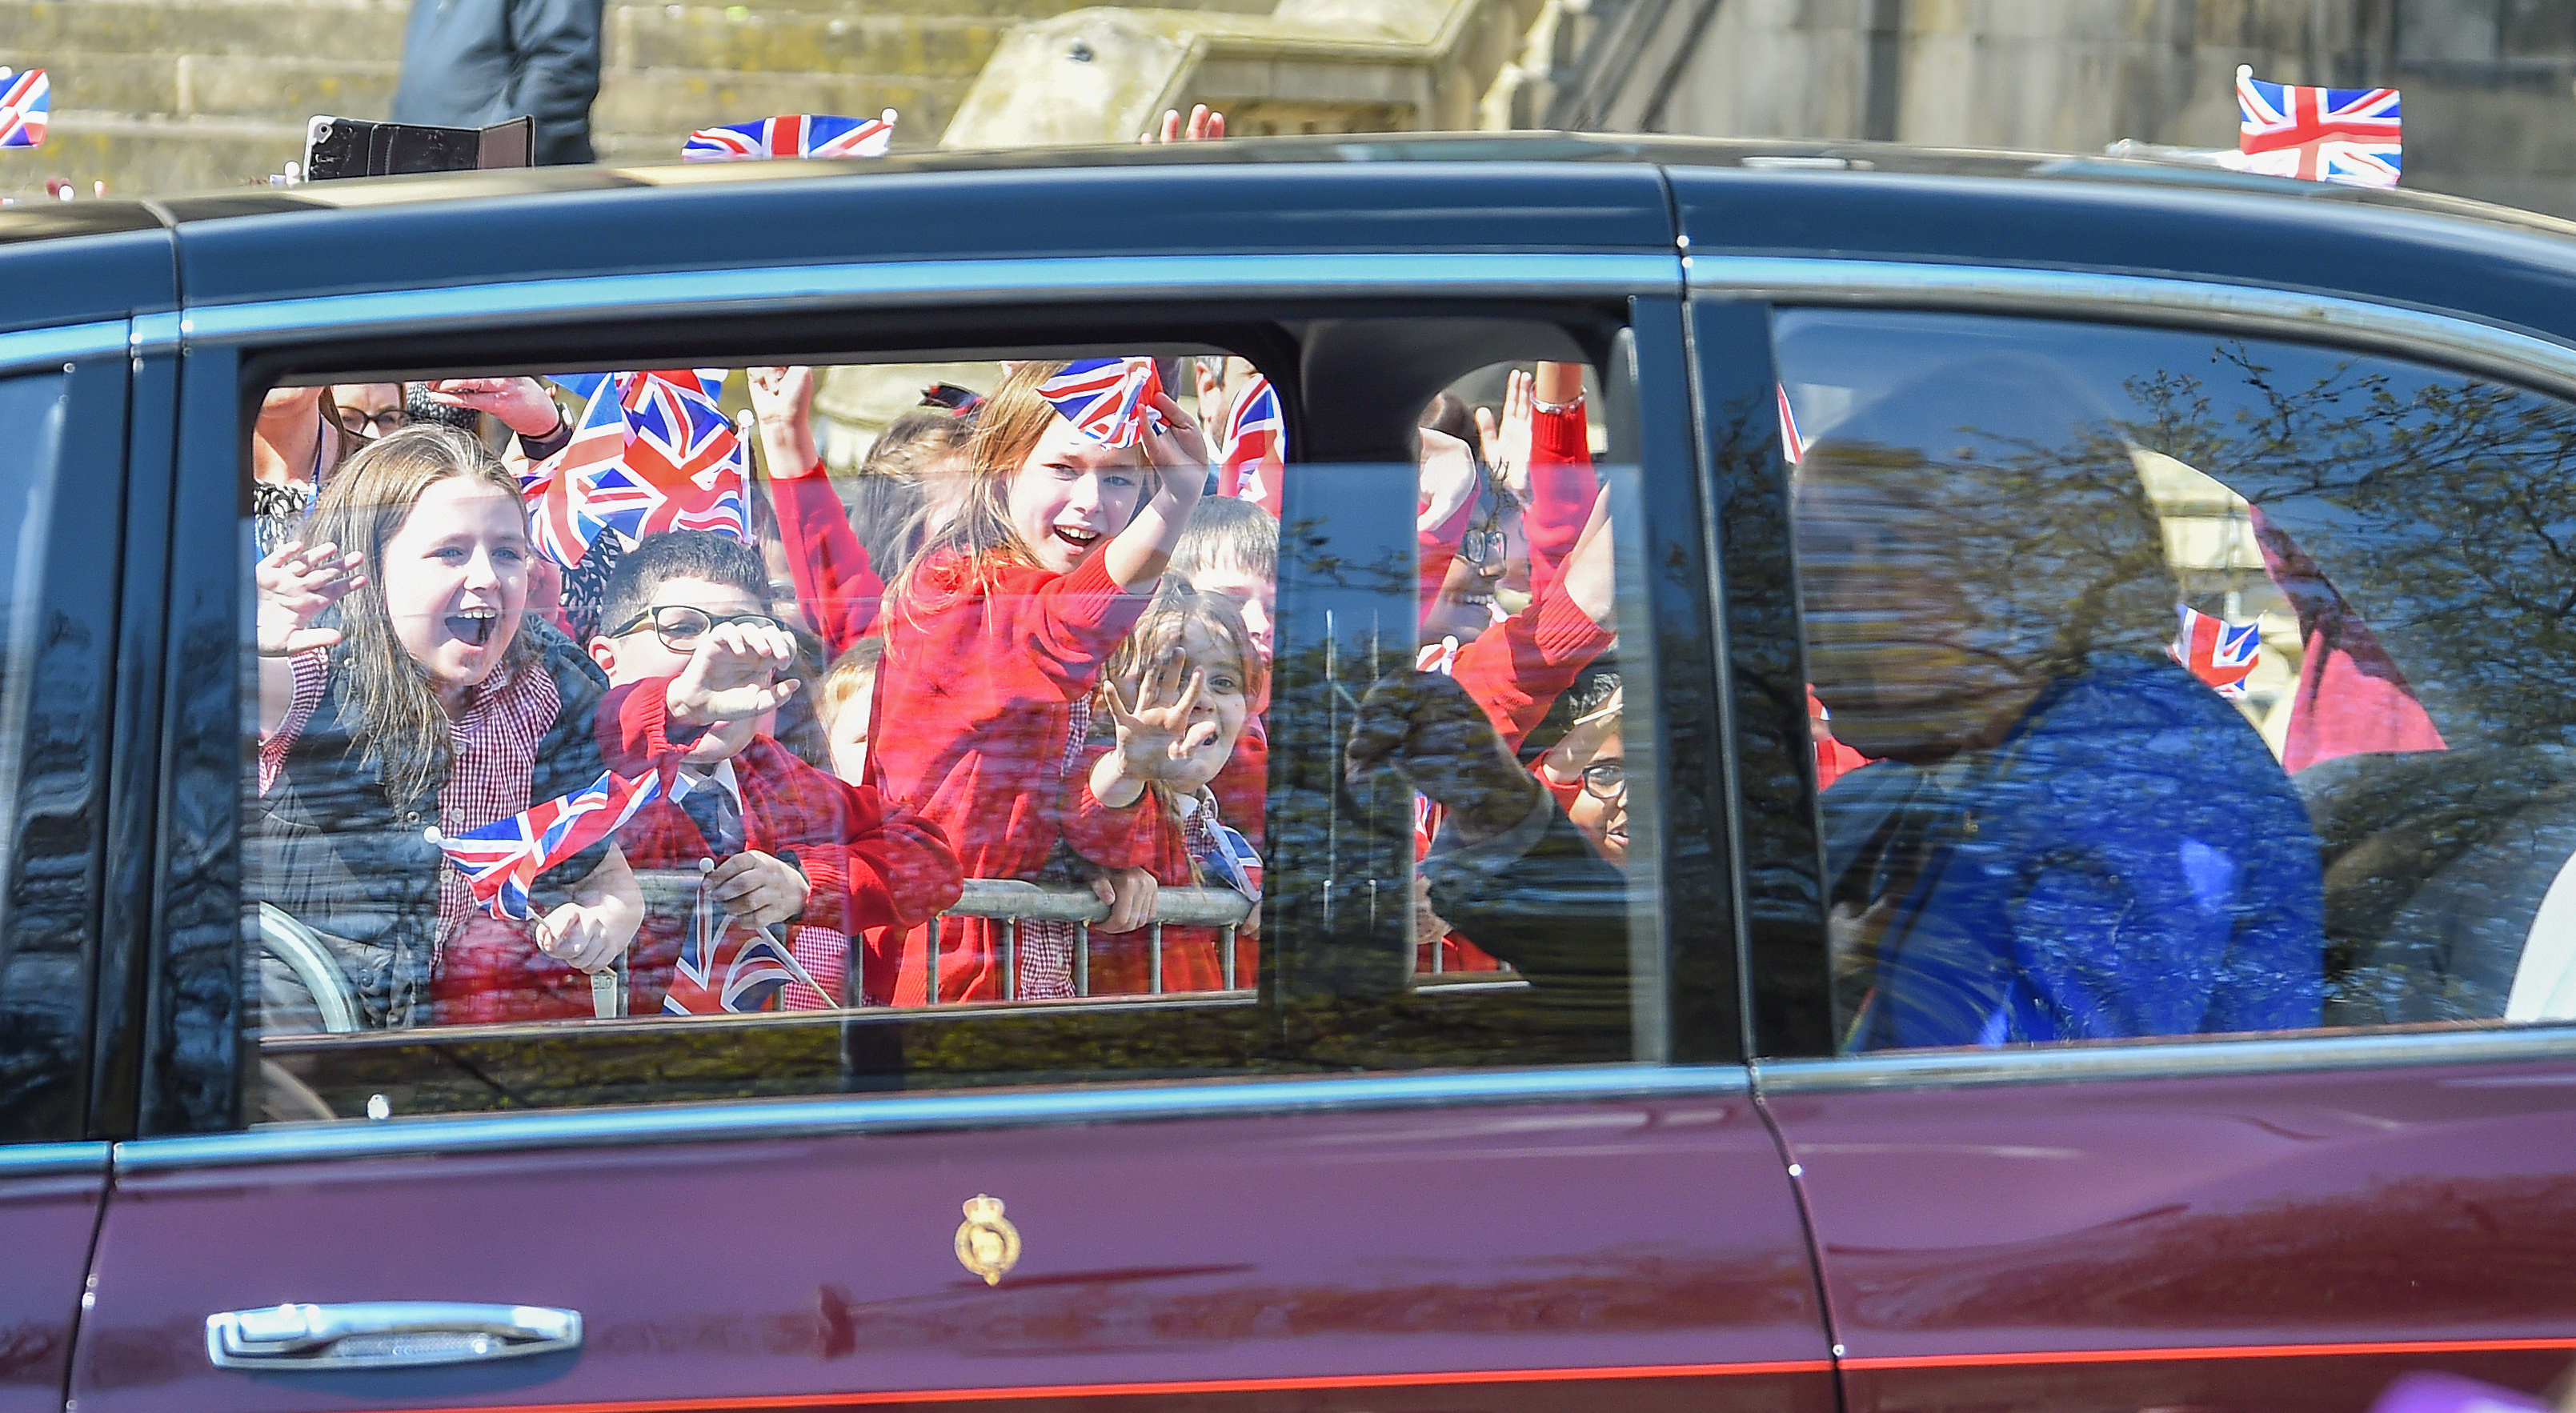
[1605,779]
[680,626]
[373,424]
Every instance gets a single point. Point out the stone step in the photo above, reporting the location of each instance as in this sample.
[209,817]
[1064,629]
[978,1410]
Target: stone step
[372,30]
[213,85]
[1003,12]
[357,30]
[795,41]
[141,157]
[676,102]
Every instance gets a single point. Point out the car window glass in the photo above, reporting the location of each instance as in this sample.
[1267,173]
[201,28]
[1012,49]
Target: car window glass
[2169,684]
[534,814]
[34,1053]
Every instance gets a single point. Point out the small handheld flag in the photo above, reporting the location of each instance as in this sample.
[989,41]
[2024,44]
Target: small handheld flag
[1255,445]
[652,452]
[25,102]
[502,859]
[2347,135]
[726,965]
[1228,858]
[791,135]
[1109,400]
[2218,652]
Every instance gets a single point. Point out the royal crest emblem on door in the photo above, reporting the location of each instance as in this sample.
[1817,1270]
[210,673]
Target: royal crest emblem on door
[987,1243]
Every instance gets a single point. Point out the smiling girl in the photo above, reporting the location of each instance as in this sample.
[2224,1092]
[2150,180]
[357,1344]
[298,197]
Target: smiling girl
[406,695]
[1000,629]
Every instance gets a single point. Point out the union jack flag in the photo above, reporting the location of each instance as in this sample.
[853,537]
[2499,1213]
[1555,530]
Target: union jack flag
[727,966]
[1227,857]
[501,859]
[2348,135]
[652,452]
[2218,652]
[24,104]
[1107,399]
[1255,445]
[791,135]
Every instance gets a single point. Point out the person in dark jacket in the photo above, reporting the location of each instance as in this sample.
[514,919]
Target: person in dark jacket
[472,63]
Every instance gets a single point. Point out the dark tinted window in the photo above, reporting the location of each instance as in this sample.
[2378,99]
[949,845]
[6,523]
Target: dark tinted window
[2168,684]
[45,703]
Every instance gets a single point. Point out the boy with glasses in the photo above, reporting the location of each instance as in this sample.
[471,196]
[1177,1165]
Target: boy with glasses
[750,831]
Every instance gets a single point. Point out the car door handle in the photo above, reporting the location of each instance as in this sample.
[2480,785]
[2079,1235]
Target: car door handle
[389,1334]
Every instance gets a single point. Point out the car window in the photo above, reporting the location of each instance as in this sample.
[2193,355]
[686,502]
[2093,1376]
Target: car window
[2169,684]
[626,735]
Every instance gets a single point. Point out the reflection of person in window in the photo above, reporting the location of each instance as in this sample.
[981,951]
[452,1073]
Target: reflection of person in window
[2066,836]
[1524,883]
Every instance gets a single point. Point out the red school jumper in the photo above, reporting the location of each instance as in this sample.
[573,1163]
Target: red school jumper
[983,665]
[835,585]
[876,873]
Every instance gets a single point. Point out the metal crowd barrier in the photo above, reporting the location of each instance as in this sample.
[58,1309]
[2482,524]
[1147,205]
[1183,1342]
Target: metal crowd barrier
[1014,901]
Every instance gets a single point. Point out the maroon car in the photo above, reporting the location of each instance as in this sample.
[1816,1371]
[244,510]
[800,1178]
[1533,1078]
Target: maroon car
[2090,925]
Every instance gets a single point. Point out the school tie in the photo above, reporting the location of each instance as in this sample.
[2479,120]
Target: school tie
[710,806]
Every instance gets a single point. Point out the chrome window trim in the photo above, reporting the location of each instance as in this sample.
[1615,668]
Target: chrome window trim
[28,349]
[2171,1059]
[815,1118]
[35,1160]
[929,282]
[2404,330]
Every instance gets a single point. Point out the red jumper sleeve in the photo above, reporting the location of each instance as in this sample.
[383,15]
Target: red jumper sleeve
[839,589]
[1111,838]
[1065,625]
[1519,667]
[635,728]
[920,869]
[1562,489]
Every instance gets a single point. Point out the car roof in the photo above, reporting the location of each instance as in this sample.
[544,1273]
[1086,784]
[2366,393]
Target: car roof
[55,220]
[1433,192]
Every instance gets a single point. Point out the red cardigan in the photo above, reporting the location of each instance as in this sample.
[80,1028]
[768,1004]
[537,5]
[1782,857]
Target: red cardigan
[975,700]
[876,872]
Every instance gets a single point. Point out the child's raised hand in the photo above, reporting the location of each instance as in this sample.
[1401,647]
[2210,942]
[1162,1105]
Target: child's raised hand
[1506,440]
[733,675]
[1180,447]
[522,404]
[1156,736]
[783,400]
[295,585]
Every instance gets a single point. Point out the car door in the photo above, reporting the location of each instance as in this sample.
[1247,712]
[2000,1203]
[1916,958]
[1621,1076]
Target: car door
[2041,1171]
[62,476]
[1339,1176]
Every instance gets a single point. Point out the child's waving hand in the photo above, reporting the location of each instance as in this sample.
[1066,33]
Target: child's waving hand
[295,585]
[1157,734]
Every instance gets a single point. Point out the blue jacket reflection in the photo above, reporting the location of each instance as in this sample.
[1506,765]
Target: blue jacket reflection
[2130,861]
